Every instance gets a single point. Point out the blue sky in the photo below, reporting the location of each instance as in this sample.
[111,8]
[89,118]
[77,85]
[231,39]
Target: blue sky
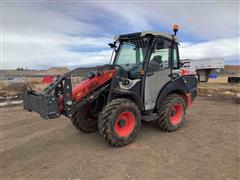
[41,34]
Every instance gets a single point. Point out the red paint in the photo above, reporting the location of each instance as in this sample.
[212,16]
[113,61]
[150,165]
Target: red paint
[185,72]
[47,79]
[176,114]
[125,129]
[89,85]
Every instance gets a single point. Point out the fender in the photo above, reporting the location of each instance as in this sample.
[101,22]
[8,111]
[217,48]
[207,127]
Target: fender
[121,93]
[181,85]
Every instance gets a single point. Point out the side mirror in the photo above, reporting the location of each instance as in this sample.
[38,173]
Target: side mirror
[112,45]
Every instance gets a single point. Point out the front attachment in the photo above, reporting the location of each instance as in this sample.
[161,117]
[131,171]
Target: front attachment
[46,106]
[53,101]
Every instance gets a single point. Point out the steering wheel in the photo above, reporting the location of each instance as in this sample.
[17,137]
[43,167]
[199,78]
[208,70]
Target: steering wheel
[133,73]
[135,67]
[116,65]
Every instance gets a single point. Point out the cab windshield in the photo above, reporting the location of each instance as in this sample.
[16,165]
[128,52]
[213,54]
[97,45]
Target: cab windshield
[130,54]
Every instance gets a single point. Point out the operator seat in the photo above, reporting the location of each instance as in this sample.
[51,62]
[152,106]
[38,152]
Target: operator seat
[155,63]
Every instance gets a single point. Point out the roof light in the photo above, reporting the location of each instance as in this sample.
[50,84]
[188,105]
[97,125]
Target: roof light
[175,29]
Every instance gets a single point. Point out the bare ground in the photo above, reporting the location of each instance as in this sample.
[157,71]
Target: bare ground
[207,147]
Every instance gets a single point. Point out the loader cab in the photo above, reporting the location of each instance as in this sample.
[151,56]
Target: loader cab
[139,53]
[149,59]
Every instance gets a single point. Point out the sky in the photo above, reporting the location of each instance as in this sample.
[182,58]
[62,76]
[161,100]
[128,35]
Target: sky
[42,34]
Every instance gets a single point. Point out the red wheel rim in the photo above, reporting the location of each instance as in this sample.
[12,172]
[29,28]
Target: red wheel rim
[176,114]
[124,124]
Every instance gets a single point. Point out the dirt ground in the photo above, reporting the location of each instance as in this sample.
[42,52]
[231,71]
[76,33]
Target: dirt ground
[207,147]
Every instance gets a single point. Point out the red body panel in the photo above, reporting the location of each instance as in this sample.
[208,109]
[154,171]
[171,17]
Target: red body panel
[185,72]
[89,85]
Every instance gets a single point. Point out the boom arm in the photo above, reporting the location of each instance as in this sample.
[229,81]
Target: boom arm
[58,98]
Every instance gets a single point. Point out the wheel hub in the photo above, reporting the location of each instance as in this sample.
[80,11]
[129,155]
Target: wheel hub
[122,122]
[173,112]
[125,123]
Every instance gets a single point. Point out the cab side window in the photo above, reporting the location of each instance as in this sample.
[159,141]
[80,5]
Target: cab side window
[160,56]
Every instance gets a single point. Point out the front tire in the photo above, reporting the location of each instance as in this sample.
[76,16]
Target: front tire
[119,122]
[84,120]
[172,113]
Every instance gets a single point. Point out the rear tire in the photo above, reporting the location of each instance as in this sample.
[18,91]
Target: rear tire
[172,113]
[119,122]
[84,121]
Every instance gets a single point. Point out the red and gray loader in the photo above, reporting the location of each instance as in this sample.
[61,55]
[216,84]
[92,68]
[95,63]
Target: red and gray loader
[142,82]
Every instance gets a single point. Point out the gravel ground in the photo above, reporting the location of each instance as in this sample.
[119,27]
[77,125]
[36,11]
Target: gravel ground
[207,147]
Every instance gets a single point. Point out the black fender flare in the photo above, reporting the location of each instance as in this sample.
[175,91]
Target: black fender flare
[181,85]
[121,93]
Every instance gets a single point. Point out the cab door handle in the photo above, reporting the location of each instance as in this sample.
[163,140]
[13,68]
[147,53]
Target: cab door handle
[150,74]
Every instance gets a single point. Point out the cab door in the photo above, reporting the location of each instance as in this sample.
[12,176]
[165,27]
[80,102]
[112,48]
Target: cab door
[158,71]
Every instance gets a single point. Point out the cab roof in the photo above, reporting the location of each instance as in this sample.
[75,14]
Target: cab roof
[144,33]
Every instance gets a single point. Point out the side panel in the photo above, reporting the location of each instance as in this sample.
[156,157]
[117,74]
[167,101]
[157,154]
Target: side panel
[153,84]
[130,90]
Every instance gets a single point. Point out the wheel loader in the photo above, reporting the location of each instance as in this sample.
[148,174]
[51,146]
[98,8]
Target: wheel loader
[142,82]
